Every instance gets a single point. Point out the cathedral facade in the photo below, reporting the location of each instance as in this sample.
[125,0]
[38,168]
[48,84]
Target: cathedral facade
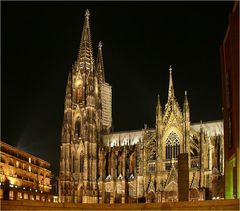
[101,166]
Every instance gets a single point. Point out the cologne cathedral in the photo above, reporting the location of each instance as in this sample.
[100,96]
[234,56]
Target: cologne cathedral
[101,166]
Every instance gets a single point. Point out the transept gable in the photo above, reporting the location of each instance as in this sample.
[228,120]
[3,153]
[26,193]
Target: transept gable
[172,114]
[172,125]
[172,109]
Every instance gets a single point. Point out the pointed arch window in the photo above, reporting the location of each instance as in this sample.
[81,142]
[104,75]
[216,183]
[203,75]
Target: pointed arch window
[81,162]
[78,89]
[152,152]
[172,146]
[77,128]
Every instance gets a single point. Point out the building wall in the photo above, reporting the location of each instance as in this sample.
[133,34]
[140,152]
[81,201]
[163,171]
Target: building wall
[203,205]
[106,96]
[24,175]
[131,169]
[230,93]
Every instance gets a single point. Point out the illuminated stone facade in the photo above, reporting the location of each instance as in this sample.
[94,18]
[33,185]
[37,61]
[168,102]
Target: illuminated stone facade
[97,166]
[230,96]
[106,97]
[24,175]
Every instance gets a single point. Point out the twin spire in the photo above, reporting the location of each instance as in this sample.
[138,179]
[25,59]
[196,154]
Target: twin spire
[100,67]
[85,56]
[86,60]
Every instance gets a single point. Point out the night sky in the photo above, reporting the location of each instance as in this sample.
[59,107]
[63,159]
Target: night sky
[40,42]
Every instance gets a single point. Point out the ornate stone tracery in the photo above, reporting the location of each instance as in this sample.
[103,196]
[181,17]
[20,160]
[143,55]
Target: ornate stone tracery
[132,166]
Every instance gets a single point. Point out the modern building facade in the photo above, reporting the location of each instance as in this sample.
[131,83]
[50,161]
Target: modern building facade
[99,166]
[23,176]
[230,96]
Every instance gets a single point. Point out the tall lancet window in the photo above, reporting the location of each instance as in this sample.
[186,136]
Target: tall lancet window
[78,90]
[172,146]
[81,162]
[168,151]
[77,129]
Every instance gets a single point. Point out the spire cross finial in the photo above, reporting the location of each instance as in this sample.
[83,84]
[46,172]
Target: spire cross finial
[170,89]
[87,13]
[200,124]
[100,45]
[158,100]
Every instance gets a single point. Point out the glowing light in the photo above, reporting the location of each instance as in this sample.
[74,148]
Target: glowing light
[78,82]
[23,188]
[30,189]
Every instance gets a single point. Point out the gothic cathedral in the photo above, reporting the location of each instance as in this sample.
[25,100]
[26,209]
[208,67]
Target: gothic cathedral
[100,166]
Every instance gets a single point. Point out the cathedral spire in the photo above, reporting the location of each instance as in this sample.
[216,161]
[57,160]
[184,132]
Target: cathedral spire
[170,89]
[158,117]
[99,64]
[186,118]
[85,55]
[186,110]
[68,98]
[159,108]
[186,104]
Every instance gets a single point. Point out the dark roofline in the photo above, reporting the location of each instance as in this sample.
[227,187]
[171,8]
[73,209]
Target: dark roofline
[21,151]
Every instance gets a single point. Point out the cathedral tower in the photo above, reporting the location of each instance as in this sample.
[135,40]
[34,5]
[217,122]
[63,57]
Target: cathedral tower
[82,125]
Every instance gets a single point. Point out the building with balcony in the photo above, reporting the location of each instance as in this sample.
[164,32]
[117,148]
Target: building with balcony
[24,176]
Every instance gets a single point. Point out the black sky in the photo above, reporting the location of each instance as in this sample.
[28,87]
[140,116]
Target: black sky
[40,41]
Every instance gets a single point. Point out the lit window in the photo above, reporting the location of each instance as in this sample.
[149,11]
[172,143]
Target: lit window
[151,167]
[172,146]
[29,160]
[25,196]
[168,166]
[29,168]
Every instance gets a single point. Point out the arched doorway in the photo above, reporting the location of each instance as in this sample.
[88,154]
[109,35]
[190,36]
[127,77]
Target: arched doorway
[118,198]
[81,194]
[172,196]
[171,192]
[107,197]
[151,197]
[194,195]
